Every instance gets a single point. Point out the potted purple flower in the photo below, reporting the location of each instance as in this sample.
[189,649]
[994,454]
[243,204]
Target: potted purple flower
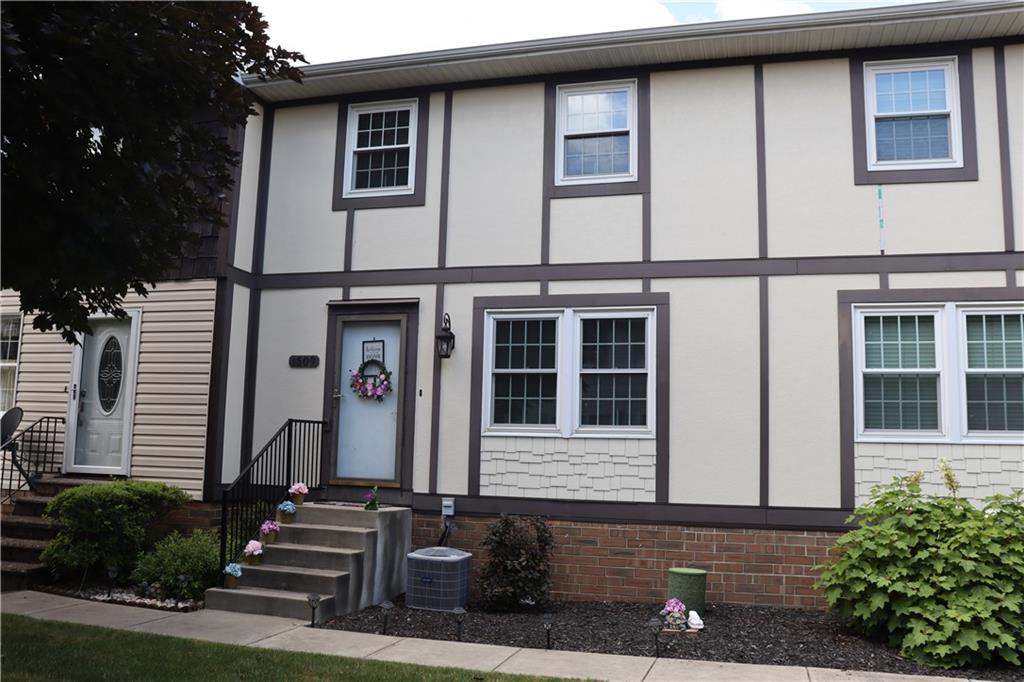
[268,531]
[371,500]
[674,615]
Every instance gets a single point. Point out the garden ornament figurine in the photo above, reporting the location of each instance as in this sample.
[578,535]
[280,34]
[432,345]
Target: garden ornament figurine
[694,621]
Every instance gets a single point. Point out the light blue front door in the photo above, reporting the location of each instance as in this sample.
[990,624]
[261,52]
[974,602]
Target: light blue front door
[368,429]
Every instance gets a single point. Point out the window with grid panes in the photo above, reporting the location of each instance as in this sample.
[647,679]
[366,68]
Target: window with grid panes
[900,373]
[381,143]
[613,371]
[596,130]
[995,371]
[913,114]
[10,339]
[524,382]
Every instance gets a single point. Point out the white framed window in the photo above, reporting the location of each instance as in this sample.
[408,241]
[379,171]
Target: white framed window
[380,149]
[992,376]
[570,372]
[946,372]
[912,110]
[10,346]
[596,133]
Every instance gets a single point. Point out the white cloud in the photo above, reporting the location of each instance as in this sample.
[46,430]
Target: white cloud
[339,31]
[728,10]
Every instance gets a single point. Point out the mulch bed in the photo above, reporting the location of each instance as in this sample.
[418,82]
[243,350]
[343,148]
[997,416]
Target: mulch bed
[733,633]
[121,596]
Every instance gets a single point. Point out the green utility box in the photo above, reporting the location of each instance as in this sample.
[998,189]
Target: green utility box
[688,585]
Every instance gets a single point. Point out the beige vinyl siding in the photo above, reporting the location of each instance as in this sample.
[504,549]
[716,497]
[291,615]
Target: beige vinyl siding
[172,393]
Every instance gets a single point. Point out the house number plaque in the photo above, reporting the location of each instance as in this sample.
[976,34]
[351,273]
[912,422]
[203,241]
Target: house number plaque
[304,361]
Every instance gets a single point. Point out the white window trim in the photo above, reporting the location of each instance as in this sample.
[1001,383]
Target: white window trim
[568,329]
[990,437]
[950,65]
[561,112]
[17,360]
[951,359]
[351,130]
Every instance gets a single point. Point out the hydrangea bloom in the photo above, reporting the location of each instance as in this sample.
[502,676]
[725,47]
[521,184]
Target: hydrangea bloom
[269,526]
[233,570]
[288,507]
[254,548]
[298,489]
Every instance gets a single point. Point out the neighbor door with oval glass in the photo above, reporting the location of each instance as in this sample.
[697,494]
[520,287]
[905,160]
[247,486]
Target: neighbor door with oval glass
[368,428]
[102,397]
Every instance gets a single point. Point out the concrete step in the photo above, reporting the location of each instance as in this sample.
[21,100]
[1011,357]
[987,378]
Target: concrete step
[327,535]
[30,505]
[20,575]
[292,579]
[268,602]
[335,515]
[19,549]
[27,527]
[311,556]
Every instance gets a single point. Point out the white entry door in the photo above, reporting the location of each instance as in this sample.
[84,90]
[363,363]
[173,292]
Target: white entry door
[102,397]
[368,429]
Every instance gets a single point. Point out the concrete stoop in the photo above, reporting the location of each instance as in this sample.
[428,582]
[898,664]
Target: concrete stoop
[351,557]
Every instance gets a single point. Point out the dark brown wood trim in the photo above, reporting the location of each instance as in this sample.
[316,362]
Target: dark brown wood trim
[660,301]
[762,174]
[435,392]
[764,394]
[726,516]
[350,228]
[249,385]
[417,198]
[846,300]
[883,279]
[1003,121]
[446,164]
[969,170]
[217,405]
[263,191]
[728,267]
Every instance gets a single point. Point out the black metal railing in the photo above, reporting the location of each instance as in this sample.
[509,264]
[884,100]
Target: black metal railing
[30,453]
[293,454]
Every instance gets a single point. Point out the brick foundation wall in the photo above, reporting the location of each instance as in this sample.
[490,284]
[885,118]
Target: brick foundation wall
[630,562]
[191,516]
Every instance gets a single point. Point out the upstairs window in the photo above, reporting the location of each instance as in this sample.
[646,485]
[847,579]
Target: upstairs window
[10,340]
[913,114]
[381,149]
[596,133]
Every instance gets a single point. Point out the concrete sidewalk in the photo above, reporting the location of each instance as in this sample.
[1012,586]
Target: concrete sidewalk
[292,635]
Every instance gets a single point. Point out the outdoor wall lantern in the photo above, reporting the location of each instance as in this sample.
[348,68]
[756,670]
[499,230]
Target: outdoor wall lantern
[445,338]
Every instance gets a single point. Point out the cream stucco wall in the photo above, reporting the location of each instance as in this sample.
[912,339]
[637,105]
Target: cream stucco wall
[950,280]
[453,437]
[703,164]
[1014,55]
[714,384]
[386,238]
[303,234]
[804,388]
[597,229]
[595,286]
[494,203]
[248,180]
[235,390]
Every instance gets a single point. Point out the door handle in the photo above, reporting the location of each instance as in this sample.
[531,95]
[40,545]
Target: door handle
[74,391]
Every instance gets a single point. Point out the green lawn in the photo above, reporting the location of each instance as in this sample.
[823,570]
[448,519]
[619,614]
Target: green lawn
[39,650]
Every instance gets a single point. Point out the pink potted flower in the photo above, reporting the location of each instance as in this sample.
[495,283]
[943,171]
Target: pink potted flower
[268,531]
[253,552]
[298,492]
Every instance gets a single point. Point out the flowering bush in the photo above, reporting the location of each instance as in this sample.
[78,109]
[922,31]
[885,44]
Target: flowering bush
[371,500]
[288,507]
[674,614]
[233,570]
[254,548]
[269,526]
[298,489]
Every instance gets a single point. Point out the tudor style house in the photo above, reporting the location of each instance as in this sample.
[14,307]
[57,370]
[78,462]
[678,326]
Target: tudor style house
[689,292]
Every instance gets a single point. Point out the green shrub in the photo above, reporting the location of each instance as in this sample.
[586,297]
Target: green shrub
[517,575]
[181,567]
[937,576]
[106,525]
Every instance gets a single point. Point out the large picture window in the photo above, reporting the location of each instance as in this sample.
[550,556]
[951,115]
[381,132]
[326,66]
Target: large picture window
[569,371]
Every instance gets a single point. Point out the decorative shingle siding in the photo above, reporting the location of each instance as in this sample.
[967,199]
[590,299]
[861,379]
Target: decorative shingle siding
[983,470]
[619,470]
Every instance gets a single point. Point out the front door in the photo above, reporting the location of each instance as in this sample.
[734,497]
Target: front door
[369,425]
[102,397]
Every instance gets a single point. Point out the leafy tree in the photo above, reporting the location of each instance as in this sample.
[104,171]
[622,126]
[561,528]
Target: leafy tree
[114,142]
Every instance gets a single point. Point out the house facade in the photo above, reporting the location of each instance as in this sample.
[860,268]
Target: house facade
[707,285]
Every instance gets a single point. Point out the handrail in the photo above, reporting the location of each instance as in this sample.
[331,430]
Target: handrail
[292,454]
[28,454]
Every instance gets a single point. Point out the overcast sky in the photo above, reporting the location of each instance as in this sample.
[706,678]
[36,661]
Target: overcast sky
[339,30]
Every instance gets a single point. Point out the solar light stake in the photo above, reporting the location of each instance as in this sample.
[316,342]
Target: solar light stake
[460,616]
[313,599]
[112,574]
[548,622]
[655,625]
[386,606]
